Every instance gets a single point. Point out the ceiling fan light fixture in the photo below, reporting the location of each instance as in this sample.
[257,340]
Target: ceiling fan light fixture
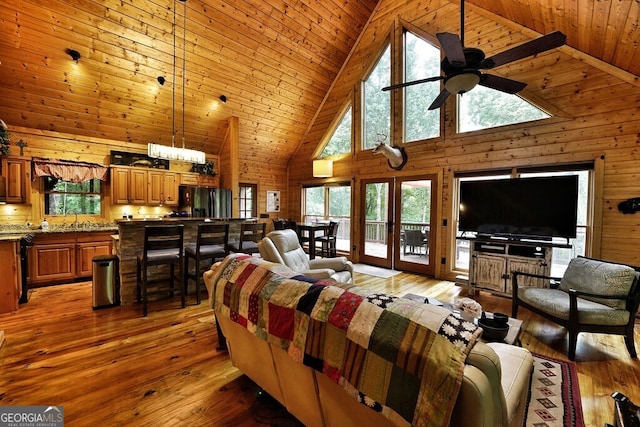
[461,83]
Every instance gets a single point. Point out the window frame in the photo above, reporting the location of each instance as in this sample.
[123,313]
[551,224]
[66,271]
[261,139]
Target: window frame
[586,230]
[46,195]
[344,231]
[363,105]
[242,188]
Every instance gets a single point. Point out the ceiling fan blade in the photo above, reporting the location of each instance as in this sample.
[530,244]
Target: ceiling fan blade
[415,82]
[453,49]
[502,84]
[533,47]
[437,103]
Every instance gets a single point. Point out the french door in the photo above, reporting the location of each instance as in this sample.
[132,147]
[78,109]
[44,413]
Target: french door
[396,223]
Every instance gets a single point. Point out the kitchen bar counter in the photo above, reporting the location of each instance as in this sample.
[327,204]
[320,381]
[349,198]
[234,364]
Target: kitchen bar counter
[131,242]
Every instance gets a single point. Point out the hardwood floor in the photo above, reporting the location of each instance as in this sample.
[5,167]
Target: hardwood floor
[114,367]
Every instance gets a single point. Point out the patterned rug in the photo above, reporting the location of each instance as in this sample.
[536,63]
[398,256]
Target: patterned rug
[554,398]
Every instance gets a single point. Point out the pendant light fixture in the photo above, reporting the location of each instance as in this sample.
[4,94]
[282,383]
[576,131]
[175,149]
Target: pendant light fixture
[173,152]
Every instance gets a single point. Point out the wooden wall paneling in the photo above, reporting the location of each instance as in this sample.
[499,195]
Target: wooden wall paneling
[608,128]
[233,145]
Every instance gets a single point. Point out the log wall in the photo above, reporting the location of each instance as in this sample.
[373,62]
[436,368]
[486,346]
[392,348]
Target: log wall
[54,145]
[596,110]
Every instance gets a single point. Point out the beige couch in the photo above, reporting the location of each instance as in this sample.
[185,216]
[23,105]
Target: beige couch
[493,391]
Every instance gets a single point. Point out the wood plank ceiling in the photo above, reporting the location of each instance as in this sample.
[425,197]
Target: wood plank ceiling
[274,61]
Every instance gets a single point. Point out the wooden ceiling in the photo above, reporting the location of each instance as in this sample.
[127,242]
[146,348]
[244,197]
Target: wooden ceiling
[274,61]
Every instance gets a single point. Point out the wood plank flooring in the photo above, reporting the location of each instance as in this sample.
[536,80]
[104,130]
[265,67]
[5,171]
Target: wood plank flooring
[114,367]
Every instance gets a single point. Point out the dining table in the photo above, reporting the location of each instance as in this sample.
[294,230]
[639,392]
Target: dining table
[307,232]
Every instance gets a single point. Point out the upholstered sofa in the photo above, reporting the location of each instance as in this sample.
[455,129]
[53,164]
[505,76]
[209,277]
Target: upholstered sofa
[338,355]
[283,246]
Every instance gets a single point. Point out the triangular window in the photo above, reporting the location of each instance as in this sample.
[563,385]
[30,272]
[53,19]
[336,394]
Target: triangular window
[340,141]
[484,108]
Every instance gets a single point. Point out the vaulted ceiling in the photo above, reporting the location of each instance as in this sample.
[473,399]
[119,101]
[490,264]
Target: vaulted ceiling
[273,61]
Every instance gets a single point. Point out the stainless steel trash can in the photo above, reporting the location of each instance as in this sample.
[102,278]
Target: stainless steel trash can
[105,281]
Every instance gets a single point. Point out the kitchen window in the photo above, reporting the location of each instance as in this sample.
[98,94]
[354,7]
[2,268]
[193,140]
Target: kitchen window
[69,198]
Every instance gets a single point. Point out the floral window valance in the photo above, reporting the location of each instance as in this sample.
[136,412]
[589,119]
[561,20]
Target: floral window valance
[68,170]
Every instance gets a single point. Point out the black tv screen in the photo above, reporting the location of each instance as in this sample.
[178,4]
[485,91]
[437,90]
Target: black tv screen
[541,207]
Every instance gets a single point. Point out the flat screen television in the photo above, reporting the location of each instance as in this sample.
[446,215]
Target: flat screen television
[523,208]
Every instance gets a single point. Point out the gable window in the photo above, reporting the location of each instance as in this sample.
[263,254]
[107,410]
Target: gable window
[377,103]
[340,141]
[484,108]
[68,198]
[248,200]
[422,60]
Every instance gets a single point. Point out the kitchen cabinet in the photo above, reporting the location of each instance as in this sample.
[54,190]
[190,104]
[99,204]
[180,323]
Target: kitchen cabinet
[163,188]
[11,274]
[64,257]
[89,245]
[199,180]
[188,178]
[492,262]
[16,173]
[142,186]
[54,262]
[128,186]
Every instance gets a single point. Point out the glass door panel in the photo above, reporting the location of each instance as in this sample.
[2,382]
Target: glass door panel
[376,222]
[414,245]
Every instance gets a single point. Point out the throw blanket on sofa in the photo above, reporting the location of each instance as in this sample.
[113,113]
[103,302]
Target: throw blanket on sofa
[397,356]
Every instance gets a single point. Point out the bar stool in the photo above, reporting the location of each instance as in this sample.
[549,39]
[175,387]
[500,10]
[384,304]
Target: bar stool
[211,243]
[162,246]
[250,235]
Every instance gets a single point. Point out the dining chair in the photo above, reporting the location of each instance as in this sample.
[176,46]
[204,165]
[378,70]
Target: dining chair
[328,241]
[162,247]
[211,243]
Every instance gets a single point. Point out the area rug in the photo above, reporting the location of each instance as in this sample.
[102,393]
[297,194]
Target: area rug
[554,397]
[370,270]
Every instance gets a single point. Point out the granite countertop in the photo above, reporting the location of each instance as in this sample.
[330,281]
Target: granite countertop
[14,232]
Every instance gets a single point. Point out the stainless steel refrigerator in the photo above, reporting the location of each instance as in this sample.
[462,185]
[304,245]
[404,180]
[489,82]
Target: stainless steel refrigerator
[205,202]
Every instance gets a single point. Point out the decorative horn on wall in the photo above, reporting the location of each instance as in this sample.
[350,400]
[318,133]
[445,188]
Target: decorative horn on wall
[396,157]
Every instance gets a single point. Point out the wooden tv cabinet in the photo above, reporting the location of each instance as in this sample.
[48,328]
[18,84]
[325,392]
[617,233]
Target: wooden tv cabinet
[492,261]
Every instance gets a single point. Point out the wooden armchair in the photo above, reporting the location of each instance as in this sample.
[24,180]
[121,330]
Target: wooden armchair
[593,296]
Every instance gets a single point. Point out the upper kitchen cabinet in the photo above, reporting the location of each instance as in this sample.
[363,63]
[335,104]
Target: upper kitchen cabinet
[138,186]
[163,188]
[129,185]
[16,173]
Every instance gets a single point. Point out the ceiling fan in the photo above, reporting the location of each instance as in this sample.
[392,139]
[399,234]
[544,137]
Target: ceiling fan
[461,65]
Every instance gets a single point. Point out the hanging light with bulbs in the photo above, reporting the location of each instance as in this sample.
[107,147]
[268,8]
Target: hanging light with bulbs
[177,153]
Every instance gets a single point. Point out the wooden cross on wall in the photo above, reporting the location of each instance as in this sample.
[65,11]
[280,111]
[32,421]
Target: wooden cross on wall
[21,144]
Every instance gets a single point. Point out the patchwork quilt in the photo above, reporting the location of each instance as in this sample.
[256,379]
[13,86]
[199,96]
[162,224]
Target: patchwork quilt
[399,357]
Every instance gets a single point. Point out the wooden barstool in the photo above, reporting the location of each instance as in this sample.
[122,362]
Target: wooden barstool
[250,235]
[211,243]
[162,246]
